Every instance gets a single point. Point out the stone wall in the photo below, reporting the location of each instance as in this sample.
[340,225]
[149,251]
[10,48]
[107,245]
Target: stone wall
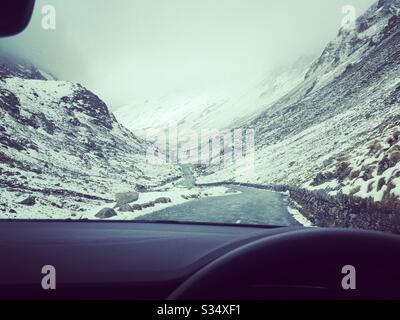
[348,211]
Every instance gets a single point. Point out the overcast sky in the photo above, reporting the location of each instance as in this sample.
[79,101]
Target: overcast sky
[125,49]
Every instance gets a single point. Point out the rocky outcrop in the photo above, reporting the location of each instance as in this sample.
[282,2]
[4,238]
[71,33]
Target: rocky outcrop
[60,143]
[338,129]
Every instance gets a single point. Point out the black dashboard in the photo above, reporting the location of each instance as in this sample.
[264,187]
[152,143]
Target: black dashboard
[138,260]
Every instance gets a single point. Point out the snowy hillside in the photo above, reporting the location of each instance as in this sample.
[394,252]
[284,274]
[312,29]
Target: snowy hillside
[339,129]
[212,108]
[61,151]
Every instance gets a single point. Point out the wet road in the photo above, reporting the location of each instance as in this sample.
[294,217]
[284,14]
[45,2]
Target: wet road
[251,206]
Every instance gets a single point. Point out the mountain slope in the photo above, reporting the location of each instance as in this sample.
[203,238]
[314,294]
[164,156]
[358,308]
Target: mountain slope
[61,151]
[212,107]
[339,129]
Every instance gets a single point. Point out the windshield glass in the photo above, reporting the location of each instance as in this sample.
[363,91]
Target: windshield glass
[258,112]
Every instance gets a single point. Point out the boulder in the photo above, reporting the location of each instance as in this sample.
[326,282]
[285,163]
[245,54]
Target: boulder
[126,198]
[191,196]
[140,188]
[163,200]
[31,201]
[106,213]
[136,207]
[148,204]
[125,208]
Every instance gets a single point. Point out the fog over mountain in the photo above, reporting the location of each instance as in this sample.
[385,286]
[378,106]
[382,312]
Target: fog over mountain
[127,50]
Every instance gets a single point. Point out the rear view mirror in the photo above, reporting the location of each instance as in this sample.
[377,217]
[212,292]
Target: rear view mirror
[15,16]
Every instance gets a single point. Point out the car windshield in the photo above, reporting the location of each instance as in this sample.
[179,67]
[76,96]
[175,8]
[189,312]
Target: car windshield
[261,112]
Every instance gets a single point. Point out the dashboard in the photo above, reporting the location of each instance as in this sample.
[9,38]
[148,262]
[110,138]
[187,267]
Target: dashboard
[140,260]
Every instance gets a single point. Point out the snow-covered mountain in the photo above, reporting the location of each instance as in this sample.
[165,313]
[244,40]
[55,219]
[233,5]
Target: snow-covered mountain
[214,107]
[339,129]
[61,151]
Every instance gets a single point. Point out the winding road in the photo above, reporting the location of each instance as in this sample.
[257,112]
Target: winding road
[249,206]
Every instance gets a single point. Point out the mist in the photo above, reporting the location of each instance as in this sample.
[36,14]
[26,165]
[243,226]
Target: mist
[126,49]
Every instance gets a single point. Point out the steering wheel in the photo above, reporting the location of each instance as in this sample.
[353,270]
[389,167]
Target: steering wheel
[311,263]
